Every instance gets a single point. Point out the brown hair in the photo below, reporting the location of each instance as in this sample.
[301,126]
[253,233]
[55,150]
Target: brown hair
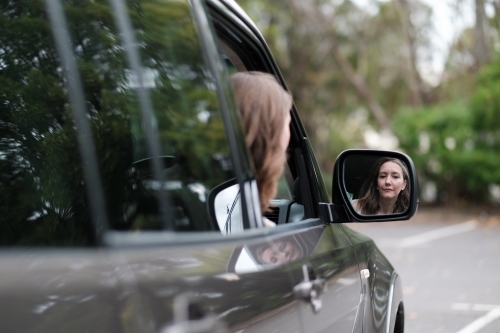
[369,195]
[263,105]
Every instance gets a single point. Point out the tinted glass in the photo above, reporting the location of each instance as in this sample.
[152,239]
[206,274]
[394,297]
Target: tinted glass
[43,199]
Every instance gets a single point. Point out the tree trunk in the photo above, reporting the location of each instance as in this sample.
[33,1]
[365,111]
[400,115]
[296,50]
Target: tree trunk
[361,87]
[496,20]
[416,84]
[481,51]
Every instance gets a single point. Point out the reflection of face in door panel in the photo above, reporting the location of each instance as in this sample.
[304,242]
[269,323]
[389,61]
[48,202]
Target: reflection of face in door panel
[279,253]
[260,256]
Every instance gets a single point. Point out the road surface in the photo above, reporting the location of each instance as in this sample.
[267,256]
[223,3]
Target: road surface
[450,266]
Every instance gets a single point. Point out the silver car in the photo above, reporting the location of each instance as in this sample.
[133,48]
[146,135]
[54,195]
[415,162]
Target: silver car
[128,201]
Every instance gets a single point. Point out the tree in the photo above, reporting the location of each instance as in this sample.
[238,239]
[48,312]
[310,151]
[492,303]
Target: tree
[481,47]
[455,145]
[419,91]
[338,58]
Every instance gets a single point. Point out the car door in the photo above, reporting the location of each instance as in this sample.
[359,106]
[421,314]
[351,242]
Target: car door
[170,255]
[310,249]
[325,275]
[339,307]
[114,134]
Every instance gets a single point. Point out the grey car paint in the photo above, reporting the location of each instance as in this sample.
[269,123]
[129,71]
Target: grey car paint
[332,260]
[195,280]
[62,291]
[136,288]
[384,288]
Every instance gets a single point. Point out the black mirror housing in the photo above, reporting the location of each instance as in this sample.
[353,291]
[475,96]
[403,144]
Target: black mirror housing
[352,173]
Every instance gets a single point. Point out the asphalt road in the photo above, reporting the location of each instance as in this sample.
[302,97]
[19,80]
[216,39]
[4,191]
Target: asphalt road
[450,266]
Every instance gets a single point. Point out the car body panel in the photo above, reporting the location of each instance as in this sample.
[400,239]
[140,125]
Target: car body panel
[328,255]
[253,299]
[384,288]
[63,291]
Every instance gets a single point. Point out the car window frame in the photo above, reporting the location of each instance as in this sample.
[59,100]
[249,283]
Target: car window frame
[202,18]
[229,18]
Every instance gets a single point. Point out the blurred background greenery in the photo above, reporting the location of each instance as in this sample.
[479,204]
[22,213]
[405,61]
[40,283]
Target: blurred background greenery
[363,74]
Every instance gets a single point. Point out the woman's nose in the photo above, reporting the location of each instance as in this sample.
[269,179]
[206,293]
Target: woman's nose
[282,257]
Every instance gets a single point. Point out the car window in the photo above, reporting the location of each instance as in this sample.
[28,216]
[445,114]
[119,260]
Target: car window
[43,196]
[238,55]
[233,64]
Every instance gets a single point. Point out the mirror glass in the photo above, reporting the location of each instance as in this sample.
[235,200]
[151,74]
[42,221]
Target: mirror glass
[377,185]
[227,206]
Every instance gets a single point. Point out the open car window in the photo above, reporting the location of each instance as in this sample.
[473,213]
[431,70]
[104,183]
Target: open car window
[239,55]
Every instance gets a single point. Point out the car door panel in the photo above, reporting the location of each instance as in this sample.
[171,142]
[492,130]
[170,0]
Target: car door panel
[382,290]
[200,277]
[327,257]
[63,291]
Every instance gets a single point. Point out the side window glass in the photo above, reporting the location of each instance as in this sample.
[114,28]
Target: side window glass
[43,199]
[194,149]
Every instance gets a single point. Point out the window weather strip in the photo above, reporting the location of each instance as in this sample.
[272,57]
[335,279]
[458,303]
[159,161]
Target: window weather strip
[124,24]
[80,117]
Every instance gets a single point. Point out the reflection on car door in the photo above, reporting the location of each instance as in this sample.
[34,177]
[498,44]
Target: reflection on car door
[212,284]
[70,290]
[324,274]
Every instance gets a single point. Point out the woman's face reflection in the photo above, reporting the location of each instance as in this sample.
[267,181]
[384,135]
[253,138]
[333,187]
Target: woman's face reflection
[279,253]
[390,180]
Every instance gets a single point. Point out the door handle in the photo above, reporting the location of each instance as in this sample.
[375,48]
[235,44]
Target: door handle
[189,317]
[310,291]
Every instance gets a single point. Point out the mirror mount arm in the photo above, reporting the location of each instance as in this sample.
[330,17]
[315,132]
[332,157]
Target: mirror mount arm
[332,213]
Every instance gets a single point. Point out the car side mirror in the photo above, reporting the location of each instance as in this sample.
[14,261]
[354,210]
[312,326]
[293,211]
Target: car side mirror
[224,207]
[375,185]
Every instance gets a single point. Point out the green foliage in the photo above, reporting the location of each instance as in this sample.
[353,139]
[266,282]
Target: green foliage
[301,36]
[457,145]
[485,104]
